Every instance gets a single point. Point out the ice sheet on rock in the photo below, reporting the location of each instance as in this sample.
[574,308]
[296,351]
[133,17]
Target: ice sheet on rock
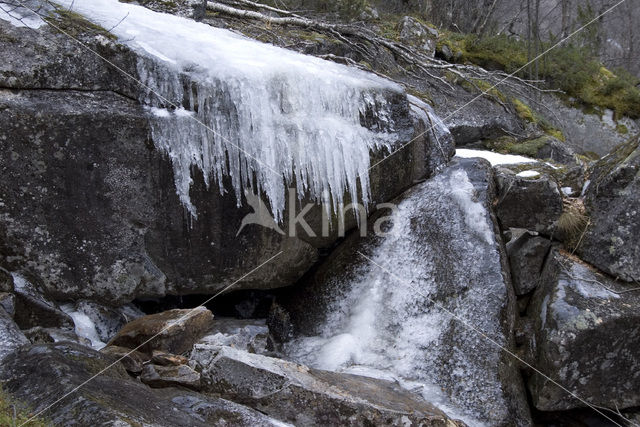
[247,108]
[19,16]
[84,326]
[389,328]
[494,158]
[528,174]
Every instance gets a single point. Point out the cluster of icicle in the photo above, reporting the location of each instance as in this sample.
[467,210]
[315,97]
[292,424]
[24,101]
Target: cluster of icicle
[264,116]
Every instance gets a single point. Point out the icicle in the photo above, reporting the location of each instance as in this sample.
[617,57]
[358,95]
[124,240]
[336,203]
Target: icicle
[272,113]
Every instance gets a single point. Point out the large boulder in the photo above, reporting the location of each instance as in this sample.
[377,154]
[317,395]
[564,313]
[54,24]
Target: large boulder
[303,396]
[531,203]
[76,139]
[384,303]
[43,375]
[174,331]
[587,338]
[612,203]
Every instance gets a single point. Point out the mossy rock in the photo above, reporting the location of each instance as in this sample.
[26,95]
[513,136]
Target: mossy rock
[14,413]
[75,24]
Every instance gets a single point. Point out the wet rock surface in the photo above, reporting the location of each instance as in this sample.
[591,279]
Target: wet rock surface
[248,335]
[39,375]
[367,305]
[11,337]
[587,338]
[303,396]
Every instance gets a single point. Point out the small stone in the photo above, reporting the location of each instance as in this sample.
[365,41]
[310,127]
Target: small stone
[167,359]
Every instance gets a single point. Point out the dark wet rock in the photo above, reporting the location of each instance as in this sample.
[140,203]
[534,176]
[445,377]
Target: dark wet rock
[531,203]
[173,331]
[248,335]
[33,308]
[6,281]
[587,338]
[132,360]
[39,375]
[8,302]
[158,376]
[279,323]
[39,335]
[612,203]
[414,33]
[446,246]
[526,258]
[303,396]
[11,337]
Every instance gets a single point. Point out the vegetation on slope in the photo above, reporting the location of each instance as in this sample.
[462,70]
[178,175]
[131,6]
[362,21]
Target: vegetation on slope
[569,68]
[13,414]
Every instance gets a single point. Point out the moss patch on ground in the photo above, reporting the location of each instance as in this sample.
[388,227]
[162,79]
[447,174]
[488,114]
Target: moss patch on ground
[509,145]
[12,413]
[75,24]
[571,69]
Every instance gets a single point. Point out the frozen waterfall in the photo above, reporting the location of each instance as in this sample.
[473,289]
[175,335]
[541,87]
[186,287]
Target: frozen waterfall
[246,108]
[389,315]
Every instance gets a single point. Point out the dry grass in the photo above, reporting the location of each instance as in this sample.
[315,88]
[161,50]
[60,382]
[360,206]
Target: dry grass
[573,223]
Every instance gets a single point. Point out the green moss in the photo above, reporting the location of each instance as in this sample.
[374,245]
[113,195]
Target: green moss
[509,145]
[75,24]
[523,110]
[569,68]
[482,86]
[424,96]
[21,416]
[526,113]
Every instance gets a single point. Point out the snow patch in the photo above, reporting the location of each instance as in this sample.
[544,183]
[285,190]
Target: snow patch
[494,158]
[528,174]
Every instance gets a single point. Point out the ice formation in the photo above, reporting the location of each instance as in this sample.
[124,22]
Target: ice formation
[246,108]
[84,326]
[19,16]
[387,326]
